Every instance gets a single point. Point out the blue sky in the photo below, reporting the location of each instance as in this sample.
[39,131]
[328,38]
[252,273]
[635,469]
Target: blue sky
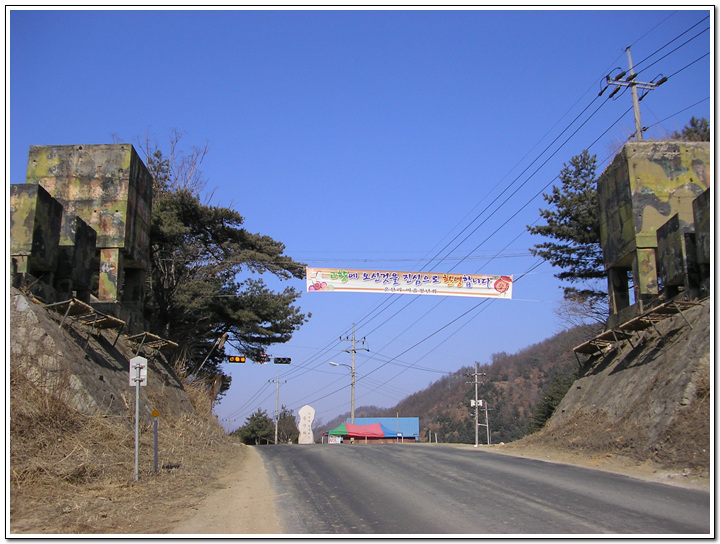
[413,140]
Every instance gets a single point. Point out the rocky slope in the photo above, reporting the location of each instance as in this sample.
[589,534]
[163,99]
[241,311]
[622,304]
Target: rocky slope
[88,372]
[650,401]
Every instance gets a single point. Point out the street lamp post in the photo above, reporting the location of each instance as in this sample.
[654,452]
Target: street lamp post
[352,389]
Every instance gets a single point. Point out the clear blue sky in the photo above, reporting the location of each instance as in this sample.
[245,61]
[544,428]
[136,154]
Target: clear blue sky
[367,139]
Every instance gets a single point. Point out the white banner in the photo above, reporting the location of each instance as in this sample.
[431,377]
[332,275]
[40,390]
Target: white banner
[411,283]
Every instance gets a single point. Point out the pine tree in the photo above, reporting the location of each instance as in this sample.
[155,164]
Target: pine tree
[697,130]
[572,231]
[287,426]
[550,398]
[204,278]
[258,429]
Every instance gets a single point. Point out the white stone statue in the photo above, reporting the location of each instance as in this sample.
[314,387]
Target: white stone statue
[307,415]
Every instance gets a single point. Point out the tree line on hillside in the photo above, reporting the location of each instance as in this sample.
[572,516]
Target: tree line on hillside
[259,428]
[521,390]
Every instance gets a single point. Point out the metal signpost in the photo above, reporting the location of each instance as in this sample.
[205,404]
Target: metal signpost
[138,378]
[155,415]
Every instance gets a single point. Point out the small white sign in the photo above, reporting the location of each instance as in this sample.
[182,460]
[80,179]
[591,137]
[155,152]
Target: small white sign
[138,371]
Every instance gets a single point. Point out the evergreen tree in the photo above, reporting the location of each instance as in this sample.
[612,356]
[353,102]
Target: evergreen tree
[697,130]
[572,231]
[287,427]
[551,396]
[202,278]
[258,429]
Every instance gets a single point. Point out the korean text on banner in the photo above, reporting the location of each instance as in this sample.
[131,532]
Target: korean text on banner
[413,283]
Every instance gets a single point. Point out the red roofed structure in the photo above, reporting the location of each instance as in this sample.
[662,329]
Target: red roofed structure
[364,431]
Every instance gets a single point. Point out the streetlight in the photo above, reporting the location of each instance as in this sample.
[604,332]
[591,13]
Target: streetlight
[352,389]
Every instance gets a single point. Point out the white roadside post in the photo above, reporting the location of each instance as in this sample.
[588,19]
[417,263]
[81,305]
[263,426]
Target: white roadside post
[138,377]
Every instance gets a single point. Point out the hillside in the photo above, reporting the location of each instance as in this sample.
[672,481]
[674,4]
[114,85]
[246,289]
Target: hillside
[56,360]
[71,430]
[512,387]
[649,402]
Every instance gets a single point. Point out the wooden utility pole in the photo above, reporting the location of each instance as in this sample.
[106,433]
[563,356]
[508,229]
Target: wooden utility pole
[476,381]
[634,85]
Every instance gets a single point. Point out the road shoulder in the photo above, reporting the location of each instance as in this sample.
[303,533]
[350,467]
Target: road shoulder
[244,504]
[608,462]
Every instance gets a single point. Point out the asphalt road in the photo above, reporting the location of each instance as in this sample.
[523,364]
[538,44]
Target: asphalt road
[434,490]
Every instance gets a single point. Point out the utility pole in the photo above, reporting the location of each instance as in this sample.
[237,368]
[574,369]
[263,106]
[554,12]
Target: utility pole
[636,102]
[352,352]
[277,403]
[634,85]
[476,403]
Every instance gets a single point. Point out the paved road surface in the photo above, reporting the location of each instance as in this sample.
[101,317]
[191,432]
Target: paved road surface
[418,489]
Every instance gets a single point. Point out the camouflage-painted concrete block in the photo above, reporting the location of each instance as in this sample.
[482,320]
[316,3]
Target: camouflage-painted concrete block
[78,242]
[645,272]
[108,286]
[35,219]
[108,186]
[671,253]
[701,214]
[617,229]
[645,185]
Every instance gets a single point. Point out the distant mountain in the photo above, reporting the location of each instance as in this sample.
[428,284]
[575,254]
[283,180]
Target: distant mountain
[511,388]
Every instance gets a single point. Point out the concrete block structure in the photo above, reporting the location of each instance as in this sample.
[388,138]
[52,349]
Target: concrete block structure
[110,189]
[677,258]
[647,184]
[78,242]
[703,240]
[35,219]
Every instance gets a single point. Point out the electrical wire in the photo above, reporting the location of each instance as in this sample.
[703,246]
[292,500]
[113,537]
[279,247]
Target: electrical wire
[388,302]
[382,307]
[674,50]
[670,42]
[484,301]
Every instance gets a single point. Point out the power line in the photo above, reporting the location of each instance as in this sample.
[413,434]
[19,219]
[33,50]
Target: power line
[384,305]
[679,112]
[653,28]
[678,47]
[671,41]
[484,301]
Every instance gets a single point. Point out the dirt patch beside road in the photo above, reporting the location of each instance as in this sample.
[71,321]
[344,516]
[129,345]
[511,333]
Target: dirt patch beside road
[245,504]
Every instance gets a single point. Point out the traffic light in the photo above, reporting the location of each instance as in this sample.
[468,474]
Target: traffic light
[236,358]
[282,360]
[264,358]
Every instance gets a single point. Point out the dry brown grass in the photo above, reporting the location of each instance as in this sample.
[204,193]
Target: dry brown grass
[74,473]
